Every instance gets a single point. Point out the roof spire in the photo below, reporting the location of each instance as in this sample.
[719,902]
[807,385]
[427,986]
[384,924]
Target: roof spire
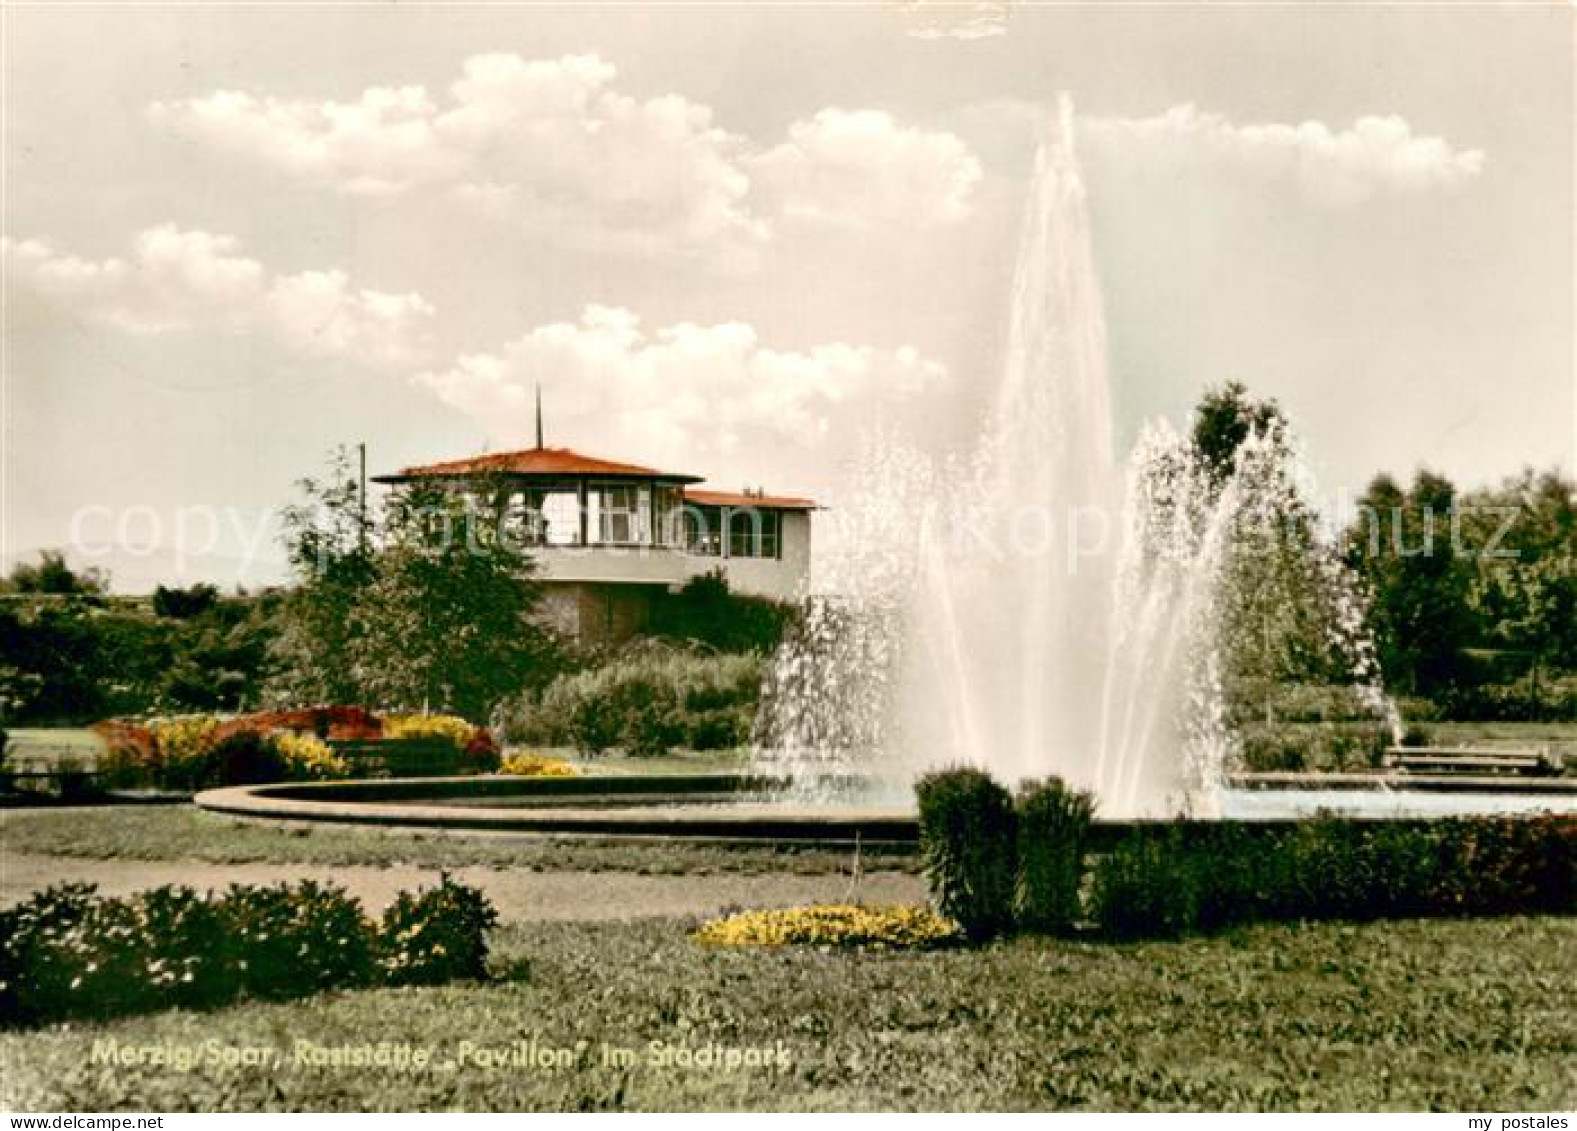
[539,416]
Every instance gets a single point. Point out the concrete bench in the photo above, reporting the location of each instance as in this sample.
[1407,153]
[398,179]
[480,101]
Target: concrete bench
[1470,760]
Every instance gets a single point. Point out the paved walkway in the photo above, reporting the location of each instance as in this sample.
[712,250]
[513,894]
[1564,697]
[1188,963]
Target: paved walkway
[520,896]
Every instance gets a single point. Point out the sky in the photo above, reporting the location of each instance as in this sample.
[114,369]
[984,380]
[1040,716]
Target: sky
[733,240]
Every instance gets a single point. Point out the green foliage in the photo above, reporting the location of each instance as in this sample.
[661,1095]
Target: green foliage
[1053,828]
[1224,419]
[293,940]
[968,849]
[646,700]
[423,607]
[1330,747]
[246,757]
[1144,888]
[67,952]
[80,658]
[1436,1015]
[53,575]
[1405,547]
[706,612]
[173,601]
[1171,880]
[436,935]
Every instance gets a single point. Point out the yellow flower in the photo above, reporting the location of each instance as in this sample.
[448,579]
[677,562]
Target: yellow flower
[900,926]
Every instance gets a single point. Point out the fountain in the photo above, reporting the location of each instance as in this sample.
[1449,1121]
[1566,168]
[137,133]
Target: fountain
[1034,606]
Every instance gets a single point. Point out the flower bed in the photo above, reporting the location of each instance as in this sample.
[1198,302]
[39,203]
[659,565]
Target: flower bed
[897,927]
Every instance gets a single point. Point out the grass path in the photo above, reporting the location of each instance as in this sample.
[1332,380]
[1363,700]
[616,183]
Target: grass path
[184,832]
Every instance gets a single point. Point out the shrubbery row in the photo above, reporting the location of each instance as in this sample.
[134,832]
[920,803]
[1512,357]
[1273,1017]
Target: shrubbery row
[1171,879]
[994,861]
[69,953]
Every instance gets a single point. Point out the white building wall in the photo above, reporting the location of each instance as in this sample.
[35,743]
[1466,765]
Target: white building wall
[783,578]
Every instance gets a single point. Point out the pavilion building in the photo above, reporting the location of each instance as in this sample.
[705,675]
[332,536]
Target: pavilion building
[609,538]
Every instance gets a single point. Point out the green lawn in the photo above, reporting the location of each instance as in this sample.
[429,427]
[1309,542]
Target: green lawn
[169,832]
[46,747]
[1463,1016]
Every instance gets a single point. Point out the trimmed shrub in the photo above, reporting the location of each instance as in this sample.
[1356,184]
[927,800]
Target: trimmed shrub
[292,941]
[436,935]
[968,849]
[66,952]
[1165,882]
[29,933]
[1145,888]
[1053,827]
[477,751]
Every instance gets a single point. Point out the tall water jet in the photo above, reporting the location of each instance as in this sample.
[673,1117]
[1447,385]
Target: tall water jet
[1030,606]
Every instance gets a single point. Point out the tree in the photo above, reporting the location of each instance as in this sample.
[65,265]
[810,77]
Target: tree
[52,575]
[1273,612]
[1403,545]
[182,604]
[329,539]
[1223,420]
[422,606]
[444,624]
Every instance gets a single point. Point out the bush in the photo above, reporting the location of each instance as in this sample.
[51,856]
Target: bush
[436,935]
[537,766]
[67,952]
[968,849]
[1053,827]
[474,745]
[310,759]
[1145,888]
[1165,881]
[246,757]
[648,700]
[292,941]
[181,750]
[897,928]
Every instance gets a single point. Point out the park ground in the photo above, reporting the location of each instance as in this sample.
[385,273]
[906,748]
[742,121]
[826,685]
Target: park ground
[593,957]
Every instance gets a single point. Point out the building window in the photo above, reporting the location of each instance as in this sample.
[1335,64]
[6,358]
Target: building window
[754,533]
[548,516]
[620,513]
[670,522]
[703,530]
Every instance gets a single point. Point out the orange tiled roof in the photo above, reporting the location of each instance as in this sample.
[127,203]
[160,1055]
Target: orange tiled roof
[760,502]
[535,461]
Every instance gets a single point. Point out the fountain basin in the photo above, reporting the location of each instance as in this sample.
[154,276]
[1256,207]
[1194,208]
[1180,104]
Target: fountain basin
[742,807]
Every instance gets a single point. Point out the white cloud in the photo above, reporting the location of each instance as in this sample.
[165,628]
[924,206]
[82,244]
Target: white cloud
[986,19]
[861,167]
[183,280]
[1374,156]
[553,145]
[687,396]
